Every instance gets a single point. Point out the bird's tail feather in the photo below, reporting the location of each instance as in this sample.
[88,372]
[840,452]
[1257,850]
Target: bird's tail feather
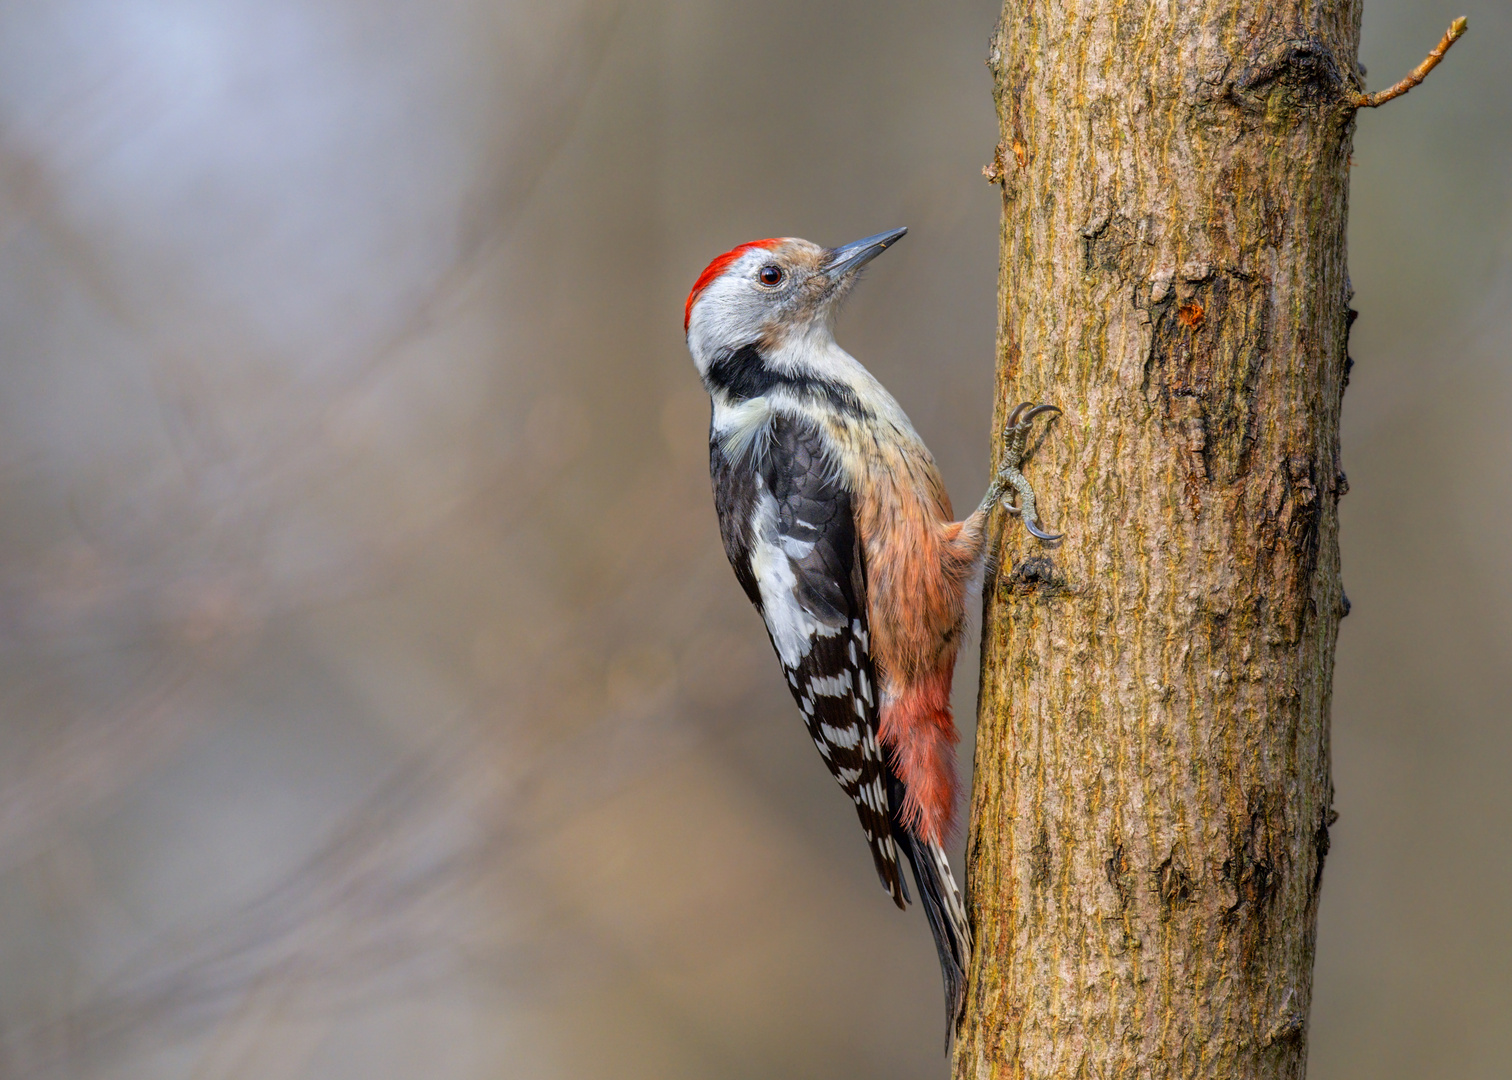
[946,913]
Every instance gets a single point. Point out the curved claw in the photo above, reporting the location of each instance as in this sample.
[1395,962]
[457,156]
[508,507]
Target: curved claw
[1039,410]
[1026,411]
[1034,530]
[1015,433]
[1038,533]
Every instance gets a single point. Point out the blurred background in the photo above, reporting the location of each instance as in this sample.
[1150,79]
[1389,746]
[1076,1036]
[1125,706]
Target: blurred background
[375,699]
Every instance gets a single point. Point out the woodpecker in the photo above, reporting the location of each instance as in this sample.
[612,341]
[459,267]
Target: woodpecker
[839,529]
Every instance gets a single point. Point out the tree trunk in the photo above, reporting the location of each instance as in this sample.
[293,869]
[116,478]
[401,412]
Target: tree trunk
[1151,800]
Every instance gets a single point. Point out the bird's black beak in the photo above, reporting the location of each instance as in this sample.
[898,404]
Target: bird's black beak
[854,256]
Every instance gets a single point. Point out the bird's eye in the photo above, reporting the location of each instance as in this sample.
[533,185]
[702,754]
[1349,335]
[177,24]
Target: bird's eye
[770,276]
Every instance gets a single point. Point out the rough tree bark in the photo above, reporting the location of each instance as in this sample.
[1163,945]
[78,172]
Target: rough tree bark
[1151,801]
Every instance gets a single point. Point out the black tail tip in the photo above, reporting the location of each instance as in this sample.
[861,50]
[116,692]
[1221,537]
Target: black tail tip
[947,924]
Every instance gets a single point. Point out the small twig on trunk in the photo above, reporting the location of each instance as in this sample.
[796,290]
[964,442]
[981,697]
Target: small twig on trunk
[1418,74]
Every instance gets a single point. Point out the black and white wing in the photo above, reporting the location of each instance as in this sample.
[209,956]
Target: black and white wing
[790,534]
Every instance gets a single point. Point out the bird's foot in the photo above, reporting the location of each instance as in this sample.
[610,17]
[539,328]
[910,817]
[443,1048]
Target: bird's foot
[1015,440]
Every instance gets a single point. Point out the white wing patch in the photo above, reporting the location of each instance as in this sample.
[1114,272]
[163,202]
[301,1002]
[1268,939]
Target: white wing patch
[792,627]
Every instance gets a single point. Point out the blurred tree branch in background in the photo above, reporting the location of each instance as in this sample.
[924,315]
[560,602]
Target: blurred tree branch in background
[1152,795]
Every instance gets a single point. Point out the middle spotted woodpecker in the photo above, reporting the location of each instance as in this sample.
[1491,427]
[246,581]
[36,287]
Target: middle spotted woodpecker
[837,523]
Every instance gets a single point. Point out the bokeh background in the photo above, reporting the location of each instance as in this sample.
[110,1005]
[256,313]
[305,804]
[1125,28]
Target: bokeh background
[375,700]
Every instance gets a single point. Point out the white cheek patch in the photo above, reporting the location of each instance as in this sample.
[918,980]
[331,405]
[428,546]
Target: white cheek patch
[793,629]
[731,310]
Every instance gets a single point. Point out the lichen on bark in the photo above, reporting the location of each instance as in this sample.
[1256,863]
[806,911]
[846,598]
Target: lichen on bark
[1151,799]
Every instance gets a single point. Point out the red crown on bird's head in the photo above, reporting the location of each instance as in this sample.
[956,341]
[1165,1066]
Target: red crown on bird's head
[717,267]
